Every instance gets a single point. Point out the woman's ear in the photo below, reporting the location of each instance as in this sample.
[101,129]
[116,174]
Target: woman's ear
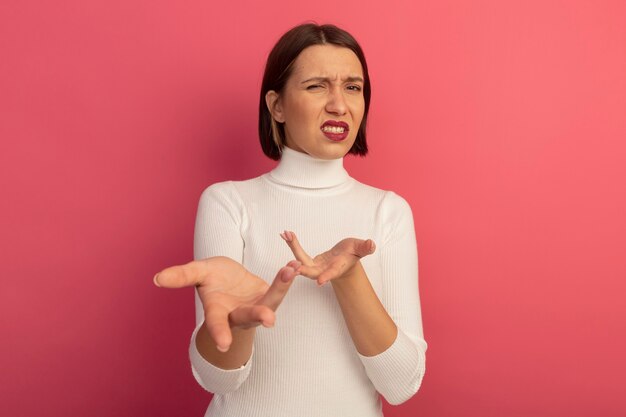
[272,100]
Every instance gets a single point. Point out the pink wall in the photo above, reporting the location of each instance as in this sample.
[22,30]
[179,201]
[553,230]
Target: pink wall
[502,123]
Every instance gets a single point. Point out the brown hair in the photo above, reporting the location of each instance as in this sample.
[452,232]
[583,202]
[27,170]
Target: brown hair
[278,70]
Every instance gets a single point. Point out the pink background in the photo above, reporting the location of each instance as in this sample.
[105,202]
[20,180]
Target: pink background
[501,122]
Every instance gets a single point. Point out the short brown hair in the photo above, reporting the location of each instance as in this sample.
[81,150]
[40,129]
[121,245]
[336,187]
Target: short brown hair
[278,70]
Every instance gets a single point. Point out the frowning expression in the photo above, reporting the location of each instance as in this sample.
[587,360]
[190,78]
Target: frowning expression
[322,104]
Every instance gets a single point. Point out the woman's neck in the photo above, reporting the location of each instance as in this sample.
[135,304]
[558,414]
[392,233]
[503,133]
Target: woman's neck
[302,170]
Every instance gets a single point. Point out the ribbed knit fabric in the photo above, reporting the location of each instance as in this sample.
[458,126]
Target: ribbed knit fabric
[307,365]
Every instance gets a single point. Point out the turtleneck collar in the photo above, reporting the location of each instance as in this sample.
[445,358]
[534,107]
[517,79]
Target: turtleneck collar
[302,170]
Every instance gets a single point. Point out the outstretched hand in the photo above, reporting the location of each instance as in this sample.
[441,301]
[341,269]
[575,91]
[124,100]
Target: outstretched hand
[230,294]
[332,264]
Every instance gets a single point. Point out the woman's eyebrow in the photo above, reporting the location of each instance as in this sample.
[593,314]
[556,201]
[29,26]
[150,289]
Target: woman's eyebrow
[326,79]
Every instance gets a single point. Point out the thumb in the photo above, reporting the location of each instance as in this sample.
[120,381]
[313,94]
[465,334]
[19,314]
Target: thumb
[364,248]
[179,276]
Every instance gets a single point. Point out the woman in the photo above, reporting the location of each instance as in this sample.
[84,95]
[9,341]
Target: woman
[334,347]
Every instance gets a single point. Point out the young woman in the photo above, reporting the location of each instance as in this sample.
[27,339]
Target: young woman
[352,330]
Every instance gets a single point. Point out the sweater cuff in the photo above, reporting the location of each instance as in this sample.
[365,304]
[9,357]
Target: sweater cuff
[398,371]
[212,378]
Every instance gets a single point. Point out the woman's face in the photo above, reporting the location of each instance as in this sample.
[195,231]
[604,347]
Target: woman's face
[322,104]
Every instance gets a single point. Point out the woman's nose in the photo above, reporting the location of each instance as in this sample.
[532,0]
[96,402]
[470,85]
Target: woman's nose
[336,103]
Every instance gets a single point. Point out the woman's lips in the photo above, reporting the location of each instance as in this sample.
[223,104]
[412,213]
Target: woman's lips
[335,130]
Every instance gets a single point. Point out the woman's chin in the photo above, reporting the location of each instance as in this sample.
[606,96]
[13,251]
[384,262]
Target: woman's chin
[332,149]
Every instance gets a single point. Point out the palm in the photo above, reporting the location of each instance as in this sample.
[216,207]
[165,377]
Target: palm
[231,295]
[339,258]
[229,286]
[333,263]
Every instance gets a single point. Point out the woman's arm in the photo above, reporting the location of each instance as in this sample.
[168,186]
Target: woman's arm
[398,371]
[232,299]
[393,362]
[238,354]
[218,233]
[371,328]
[235,302]
[386,328]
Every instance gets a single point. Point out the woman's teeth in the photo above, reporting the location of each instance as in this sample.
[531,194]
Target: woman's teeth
[333,129]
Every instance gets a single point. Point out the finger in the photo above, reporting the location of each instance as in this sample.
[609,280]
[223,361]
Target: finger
[180,276]
[365,247]
[277,291]
[309,271]
[332,272]
[216,321]
[251,316]
[294,245]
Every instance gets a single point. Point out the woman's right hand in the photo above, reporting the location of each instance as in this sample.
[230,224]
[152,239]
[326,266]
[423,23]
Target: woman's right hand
[232,297]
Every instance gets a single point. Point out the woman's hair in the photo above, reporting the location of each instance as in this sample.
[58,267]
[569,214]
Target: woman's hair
[278,70]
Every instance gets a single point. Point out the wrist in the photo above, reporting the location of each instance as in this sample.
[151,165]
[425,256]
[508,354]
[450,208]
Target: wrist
[351,276]
[238,354]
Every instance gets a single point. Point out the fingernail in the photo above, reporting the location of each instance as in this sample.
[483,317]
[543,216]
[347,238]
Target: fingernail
[155,280]
[222,349]
[285,277]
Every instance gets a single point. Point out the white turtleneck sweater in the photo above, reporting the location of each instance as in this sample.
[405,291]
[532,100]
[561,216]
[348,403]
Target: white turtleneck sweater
[307,364]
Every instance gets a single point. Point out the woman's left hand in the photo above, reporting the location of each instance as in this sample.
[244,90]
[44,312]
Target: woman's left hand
[332,264]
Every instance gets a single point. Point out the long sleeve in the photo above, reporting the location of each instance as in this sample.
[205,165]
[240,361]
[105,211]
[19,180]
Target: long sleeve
[398,371]
[217,233]
[307,364]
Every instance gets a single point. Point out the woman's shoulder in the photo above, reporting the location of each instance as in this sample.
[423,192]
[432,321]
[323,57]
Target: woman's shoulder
[229,189]
[215,189]
[387,198]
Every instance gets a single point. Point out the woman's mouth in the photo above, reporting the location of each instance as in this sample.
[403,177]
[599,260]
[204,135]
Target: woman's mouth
[335,131]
